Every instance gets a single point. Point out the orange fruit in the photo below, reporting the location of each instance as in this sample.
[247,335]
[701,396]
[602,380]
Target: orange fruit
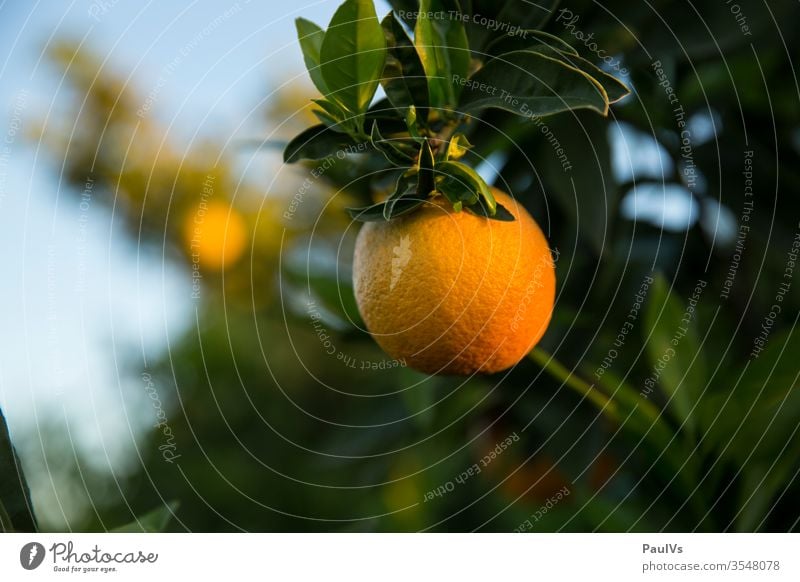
[454,293]
[215,234]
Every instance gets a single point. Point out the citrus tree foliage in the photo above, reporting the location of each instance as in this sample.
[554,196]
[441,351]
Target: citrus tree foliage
[657,400]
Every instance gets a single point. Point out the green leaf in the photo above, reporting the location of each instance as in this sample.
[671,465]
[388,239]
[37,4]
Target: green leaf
[406,10]
[353,54]
[411,123]
[471,182]
[316,143]
[575,162]
[532,84]
[501,213]
[154,521]
[405,189]
[454,191]
[310,36]
[389,119]
[512,18]
[404,79]
[375,213]
[676,361]
[15,499]
[534,14]
[614,88]
[443,50]
[333,116]
[528,40]
[397,151]
[425,177]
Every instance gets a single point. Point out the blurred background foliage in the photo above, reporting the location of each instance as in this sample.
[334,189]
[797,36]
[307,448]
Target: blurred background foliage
[273,433]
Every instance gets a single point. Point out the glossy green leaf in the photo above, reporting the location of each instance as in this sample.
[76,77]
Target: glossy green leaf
[470,181]
[333,116]
[405,191]
[375,213]
[528,40]
[442,46]
[154,521]
[411,123]
[614,88]
[15,499]
[352,55]
[532,84]
[676,361]
[316,143]
[404,79]
[310,36]
[396,151]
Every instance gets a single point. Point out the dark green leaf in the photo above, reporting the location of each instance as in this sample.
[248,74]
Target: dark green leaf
[411,123]
[333,116]
[389,119]
[328,121]
[397,151]
[406,188]
[529,15]
[676,361]
[374,213]
[352,55]
[154,521]
[310,36]
[532,84]
[404,79]
[510,18]
[406,11]
[500,212]
[316,143]
[470,181]
[443,49]
[14,494]
[528,40]
[453,189]
[331,108]
[425,176]
[575,160]
[614,88]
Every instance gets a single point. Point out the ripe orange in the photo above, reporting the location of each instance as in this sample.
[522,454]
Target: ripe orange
[454,293]
[215,235]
